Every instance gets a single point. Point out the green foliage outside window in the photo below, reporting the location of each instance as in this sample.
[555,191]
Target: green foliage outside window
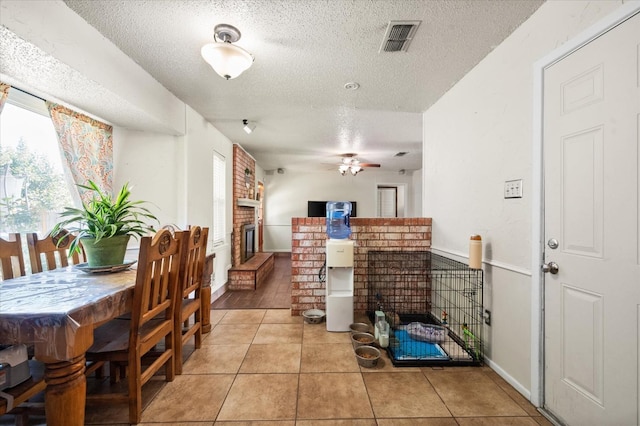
[43,190]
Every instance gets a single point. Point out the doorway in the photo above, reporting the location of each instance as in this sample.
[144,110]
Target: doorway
[390,200]
[589,248]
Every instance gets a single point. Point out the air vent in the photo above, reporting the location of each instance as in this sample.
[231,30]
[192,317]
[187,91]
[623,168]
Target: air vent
[399,35]
[401,154]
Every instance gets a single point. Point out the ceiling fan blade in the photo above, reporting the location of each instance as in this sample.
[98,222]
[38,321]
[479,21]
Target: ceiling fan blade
[369,165]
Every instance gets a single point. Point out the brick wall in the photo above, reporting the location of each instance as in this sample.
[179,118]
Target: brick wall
[308,253]
[241,215]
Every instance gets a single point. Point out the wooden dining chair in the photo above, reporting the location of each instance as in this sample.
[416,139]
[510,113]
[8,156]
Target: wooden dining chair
[12,263]
[150,332]
[188,319]
[52,252]
[11,257]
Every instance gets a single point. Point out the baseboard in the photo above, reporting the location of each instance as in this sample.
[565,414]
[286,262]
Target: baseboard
[513,382]
[219,292]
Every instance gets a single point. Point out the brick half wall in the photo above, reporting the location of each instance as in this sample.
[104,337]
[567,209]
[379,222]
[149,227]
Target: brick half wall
[309,238]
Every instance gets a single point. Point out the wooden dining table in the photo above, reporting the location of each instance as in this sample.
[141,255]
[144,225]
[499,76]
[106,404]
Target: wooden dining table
[56,312]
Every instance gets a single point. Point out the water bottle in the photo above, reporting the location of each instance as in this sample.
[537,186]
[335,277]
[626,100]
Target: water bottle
[338,213]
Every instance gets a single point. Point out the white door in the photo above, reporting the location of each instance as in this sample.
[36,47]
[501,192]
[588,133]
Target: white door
[591,184]
[387,201]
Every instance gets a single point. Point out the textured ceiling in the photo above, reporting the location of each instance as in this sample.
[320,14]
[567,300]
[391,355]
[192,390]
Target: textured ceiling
[305,52]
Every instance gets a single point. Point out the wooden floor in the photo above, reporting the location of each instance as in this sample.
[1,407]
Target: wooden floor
[274,293]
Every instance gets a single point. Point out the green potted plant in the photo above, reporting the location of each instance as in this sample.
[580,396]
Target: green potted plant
[104,225]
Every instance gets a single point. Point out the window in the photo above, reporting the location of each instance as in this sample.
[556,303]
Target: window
[219,199]
[33,189]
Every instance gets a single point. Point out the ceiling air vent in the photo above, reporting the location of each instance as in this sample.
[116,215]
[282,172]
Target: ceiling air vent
[399,35]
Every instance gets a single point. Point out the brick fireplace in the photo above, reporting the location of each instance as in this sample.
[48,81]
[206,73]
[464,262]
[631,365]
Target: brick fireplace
[242,215]
[308,253]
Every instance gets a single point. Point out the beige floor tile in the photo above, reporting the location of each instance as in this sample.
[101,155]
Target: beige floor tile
[225,334]
[317,333]
[215,359]
[257,423]
[243,316]
[344,422]
[278,333]
[542,421]
[333,396]
[178,402]
[274,358]
[496,421]
[436,421]
[261,397]
[471,393]
[176,424]
[328,357]
[523,402]
[281,316]
[216,315]
[403,395]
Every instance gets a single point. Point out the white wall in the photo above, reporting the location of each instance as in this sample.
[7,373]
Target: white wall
[175,173]
[476,137]
[286,196]
[202,139]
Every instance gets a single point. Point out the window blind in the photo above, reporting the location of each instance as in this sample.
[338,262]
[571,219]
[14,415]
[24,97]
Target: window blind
[219,201]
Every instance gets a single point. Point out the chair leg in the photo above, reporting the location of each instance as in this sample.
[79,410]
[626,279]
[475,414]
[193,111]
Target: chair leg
[135,393]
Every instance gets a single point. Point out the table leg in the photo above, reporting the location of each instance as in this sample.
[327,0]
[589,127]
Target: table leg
[205,293]
[205,300]
[65,395]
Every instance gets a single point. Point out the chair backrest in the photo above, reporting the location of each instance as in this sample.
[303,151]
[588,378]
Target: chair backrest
[156,281]
[52,252]
[11,257]
[193,257]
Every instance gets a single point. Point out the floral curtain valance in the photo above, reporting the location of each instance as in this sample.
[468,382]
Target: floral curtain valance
[4,92]
[87,147]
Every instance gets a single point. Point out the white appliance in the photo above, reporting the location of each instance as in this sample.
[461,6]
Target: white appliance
[339,284]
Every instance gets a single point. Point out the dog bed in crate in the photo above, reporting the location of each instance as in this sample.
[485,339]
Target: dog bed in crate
[406,348]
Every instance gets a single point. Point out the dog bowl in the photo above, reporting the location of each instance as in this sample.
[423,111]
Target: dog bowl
[313,316]
[359,327]
[361,339]
[367,356]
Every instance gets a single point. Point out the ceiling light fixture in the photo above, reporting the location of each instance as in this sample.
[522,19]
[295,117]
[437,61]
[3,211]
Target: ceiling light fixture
[351,165]
[227,60]
[248,127]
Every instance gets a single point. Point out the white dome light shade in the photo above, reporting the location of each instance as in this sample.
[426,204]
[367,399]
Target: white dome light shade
[226,59]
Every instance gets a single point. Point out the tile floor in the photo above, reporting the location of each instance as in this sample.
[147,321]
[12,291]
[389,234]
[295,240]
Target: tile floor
[264,367]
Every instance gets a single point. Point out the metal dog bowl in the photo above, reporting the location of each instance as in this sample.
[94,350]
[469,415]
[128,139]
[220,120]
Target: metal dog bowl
[367,356]
[313,316]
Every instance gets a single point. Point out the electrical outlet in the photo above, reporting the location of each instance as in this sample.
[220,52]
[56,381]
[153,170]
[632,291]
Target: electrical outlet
[513,189]
[487,317]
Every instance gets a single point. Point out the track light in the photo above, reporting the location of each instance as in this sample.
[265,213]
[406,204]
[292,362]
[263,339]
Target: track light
[248,127]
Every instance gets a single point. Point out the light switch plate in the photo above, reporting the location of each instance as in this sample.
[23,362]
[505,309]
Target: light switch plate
[513,189]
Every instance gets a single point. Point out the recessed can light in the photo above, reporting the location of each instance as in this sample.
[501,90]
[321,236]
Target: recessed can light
[352,86]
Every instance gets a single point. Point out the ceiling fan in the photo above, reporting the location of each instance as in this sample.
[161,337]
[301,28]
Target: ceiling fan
[352,165]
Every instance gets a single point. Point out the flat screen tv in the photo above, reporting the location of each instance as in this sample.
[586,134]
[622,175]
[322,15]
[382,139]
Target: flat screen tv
[319,209]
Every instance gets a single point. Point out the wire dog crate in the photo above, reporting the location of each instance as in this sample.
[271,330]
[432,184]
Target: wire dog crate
[433,305]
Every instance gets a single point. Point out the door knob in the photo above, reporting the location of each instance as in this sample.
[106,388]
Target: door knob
[551,267]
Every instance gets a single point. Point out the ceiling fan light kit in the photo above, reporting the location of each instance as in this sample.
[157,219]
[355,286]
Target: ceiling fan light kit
[353,165]
[226,59]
